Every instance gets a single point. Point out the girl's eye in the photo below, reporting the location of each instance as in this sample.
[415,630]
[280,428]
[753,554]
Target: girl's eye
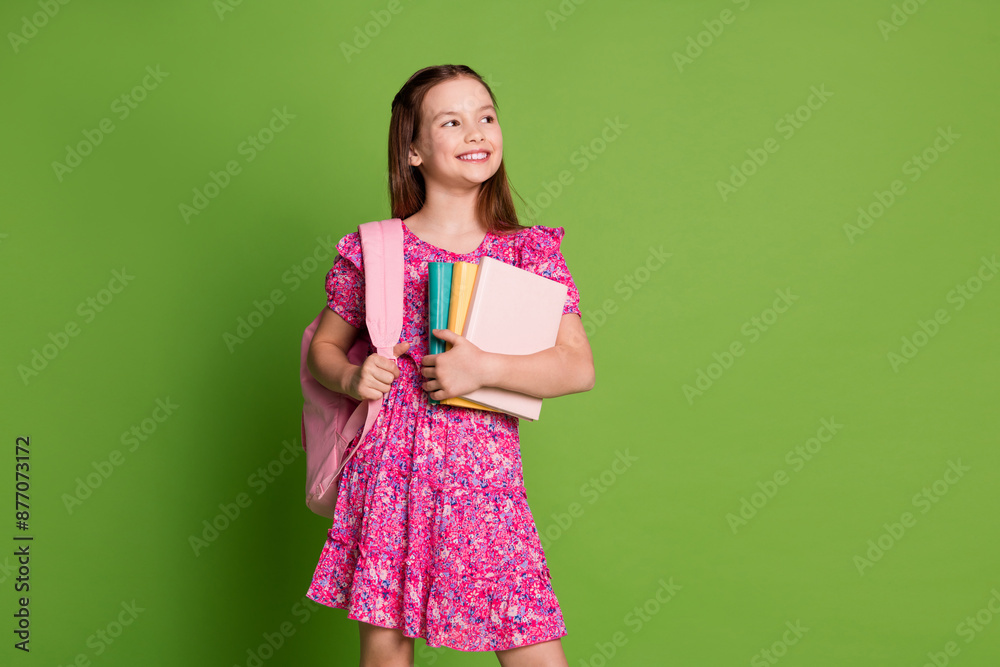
[451,121]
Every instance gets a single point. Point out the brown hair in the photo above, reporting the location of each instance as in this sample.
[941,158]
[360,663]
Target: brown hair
[407,191]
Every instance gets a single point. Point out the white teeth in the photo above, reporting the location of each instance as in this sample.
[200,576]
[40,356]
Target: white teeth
[473,156]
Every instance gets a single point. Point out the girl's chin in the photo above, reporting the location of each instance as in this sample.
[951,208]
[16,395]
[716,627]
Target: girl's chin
[464,177]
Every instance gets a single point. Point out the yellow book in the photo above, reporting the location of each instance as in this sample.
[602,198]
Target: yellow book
[463,278]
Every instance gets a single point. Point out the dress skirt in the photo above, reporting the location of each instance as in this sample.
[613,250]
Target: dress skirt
[432,532]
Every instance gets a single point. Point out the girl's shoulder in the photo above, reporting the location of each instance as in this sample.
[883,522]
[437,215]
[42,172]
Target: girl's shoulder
[349,247]
[537,242]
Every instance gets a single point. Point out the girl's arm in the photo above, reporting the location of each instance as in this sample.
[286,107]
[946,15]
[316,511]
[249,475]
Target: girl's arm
[566,368]
[327,360]
[327,356]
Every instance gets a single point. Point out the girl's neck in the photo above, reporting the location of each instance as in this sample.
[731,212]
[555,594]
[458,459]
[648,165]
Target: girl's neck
[460,236]
[446,224]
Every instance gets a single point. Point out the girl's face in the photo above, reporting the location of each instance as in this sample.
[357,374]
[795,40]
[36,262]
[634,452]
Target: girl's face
[457,119]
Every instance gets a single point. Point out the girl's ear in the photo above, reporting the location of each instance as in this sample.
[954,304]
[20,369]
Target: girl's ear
[414,159]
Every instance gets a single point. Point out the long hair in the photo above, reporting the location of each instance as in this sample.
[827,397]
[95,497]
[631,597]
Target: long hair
[407,191]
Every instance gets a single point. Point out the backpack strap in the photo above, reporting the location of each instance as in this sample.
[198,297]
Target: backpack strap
[382,247]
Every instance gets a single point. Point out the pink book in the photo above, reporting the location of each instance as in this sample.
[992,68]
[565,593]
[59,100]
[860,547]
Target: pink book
[512,311]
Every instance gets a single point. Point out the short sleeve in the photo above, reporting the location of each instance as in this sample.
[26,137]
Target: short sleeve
[345,282]
[540,254]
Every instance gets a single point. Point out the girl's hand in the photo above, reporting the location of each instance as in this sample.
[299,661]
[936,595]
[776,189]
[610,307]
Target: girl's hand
[456,371]
[372,379]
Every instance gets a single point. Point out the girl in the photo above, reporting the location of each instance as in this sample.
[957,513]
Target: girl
[433,536]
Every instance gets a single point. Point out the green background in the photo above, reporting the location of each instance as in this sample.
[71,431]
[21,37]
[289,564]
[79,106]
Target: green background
[683,128]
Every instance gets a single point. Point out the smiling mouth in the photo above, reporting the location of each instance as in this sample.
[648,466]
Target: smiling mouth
[480,156]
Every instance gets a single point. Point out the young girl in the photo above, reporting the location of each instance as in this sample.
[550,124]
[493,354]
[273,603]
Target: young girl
[433,536]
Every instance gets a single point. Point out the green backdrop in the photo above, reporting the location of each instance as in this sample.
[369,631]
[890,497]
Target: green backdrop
[782,220]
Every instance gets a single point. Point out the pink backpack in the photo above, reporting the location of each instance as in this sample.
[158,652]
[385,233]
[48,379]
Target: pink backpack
[330,421]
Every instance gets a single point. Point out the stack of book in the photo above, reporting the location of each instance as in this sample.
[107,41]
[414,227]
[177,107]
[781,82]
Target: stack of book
[499,308]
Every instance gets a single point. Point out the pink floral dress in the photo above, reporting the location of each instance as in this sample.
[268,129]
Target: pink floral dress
[433,534]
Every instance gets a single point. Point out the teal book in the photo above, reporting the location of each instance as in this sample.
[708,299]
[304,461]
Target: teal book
[438,304]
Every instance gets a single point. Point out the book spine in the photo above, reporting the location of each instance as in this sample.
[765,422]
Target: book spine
[463,281]
[460,402]
[471,316]
[438,304]
[463,278]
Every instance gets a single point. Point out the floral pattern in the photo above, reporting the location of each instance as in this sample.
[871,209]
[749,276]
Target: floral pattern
[433,534]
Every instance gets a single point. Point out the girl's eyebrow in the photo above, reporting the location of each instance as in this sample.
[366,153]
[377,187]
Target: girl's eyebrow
[445,113]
